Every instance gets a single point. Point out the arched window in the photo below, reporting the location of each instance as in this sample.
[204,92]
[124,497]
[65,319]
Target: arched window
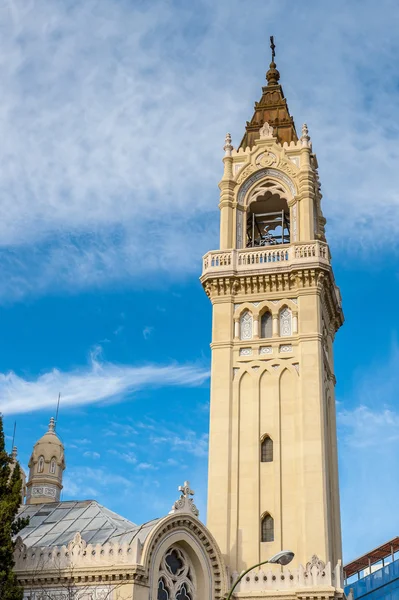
[163,592]
[40,464]
[53,466]
[266,325]
[285,322]
[246,326]
[268,216]
[266,450]
[267,528]
[176,576]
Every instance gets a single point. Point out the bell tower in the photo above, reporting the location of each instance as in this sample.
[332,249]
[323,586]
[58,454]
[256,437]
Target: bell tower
[273,473]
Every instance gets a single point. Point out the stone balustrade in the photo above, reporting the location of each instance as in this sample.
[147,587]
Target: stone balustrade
[311,576]
[270,257]
[76,554]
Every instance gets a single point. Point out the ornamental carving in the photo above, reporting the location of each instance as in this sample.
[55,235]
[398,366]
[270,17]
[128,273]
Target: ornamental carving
[185,503]
[176,579]
[246,323]
[266,131]
[288,167]
[245,352]
[266,159]
[246,173]
[285,324]
[315,562]
[261,174]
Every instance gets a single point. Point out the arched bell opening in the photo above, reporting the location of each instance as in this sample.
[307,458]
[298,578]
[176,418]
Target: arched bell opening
[268,218]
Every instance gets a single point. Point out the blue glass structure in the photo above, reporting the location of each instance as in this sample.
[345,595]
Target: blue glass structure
[380,585]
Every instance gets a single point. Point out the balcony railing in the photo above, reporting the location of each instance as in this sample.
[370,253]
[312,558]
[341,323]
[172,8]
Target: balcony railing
[255,259]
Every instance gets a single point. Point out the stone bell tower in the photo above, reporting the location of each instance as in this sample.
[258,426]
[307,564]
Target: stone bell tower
[273,475]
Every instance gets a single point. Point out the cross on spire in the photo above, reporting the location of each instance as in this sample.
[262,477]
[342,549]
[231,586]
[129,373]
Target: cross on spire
[273,47]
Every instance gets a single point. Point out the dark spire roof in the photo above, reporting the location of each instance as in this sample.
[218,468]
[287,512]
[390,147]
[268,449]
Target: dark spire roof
[272,108]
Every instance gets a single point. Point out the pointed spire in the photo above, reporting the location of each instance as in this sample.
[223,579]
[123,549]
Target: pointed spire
[271,109]
[272,75]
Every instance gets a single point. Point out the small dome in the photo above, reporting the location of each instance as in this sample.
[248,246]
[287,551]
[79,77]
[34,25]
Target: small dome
[46,468]
[49,446]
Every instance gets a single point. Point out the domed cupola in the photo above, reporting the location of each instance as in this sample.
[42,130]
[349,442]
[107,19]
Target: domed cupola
[46,467]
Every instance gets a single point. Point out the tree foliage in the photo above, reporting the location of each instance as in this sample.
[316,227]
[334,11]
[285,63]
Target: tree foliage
[10,500]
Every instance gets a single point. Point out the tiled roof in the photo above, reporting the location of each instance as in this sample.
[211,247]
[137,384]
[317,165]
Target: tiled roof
[57,523]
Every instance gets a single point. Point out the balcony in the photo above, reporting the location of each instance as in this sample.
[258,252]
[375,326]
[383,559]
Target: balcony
[271,259]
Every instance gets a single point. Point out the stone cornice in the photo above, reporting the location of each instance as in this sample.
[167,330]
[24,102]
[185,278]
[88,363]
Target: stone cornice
[292,280]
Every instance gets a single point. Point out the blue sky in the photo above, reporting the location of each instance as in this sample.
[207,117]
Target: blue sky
[112,119]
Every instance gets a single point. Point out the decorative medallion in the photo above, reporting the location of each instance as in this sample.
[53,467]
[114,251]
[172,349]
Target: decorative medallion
[265,350]
[245,352]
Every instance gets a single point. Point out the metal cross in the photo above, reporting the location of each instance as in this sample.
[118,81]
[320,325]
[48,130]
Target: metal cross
[273,47]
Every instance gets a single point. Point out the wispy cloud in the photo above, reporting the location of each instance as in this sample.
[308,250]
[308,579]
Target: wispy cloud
[91,454]
[147,331]
[86,482]
[97,382]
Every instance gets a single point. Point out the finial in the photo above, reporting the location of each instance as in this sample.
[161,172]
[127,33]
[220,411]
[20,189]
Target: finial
[14,454]
[51,426]
[185,503]
[273,47]
[272,75]
[305,138]
[185,490]
[227,145]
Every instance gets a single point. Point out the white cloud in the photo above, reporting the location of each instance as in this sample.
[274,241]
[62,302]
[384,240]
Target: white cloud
[191,442]
[144,466]
[98,382]
[86,482]
[368,425]
[147,331]
[113,117]
[92,454]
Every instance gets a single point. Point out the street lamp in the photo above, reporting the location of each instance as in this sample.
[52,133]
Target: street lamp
[281,558]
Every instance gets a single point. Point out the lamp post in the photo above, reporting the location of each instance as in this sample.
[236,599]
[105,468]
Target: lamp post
[281,558]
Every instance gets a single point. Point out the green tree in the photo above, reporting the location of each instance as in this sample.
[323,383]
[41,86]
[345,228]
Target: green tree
[10,500]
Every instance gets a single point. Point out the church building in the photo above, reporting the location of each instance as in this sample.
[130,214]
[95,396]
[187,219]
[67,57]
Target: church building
[273,474]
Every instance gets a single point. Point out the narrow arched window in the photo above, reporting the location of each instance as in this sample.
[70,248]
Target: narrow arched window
[246,322]
[53,466]
[285,322]
[267,528]
[266,325]
[40,465]
[266,450]
[163,592]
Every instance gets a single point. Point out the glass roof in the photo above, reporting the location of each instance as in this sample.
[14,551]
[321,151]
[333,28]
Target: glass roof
[57,523]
